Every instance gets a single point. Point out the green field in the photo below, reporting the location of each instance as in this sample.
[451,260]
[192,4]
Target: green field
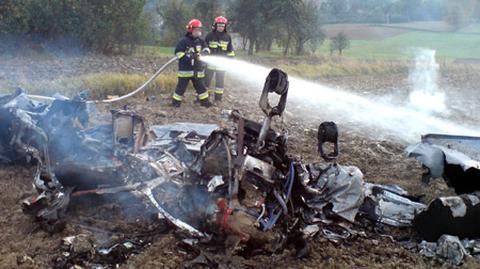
[475,28]
[447,45]
[381,43]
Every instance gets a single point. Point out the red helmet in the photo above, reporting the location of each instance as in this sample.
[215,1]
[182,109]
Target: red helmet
[193,24]
[221,19]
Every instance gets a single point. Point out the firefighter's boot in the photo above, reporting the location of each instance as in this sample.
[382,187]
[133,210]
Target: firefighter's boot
[206,103]
[176,103]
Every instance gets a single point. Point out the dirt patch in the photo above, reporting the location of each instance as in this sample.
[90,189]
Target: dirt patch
[49,67]
[23,245]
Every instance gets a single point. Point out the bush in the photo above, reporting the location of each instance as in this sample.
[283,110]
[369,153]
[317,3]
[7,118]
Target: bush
[102,25]
[339,42]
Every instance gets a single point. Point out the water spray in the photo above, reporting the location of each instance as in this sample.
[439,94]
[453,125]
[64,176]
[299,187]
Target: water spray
[425,94]
[403,122]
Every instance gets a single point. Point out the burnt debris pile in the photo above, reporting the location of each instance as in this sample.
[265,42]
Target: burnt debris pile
[235,188]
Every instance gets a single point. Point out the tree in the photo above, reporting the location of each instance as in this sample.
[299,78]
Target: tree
[459,13]
[101,25]
[247,19]
[153,22]
[335,10]
[381,11]
[308,27]
[291,24]
[14,16]
[206,11]
[455,17]
[175,15]
[316,41]
[288,15]
[339,42]
[106,24]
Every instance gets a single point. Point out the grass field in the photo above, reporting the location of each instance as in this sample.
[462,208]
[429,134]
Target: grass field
[385,42]
[475,28]
[398,41]
[447,45]
[374,53]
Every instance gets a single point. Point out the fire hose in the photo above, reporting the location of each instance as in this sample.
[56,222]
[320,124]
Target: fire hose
[139,89]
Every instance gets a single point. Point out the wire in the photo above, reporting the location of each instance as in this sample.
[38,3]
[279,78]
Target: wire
[274,217]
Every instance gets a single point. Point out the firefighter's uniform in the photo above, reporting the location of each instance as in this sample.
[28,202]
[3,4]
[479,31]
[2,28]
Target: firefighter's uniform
[190,68]
[220,44]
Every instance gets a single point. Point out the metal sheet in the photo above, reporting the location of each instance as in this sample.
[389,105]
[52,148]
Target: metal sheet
[163,131]
[341,186]
[468,145]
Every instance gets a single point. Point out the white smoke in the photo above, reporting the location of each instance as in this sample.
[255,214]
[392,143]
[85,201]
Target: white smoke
[425,95]
[403,122]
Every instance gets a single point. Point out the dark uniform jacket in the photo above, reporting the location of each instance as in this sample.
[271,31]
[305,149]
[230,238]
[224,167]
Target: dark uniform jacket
[187,51]
[220,43]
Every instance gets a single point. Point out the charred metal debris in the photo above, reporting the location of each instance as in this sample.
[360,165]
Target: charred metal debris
[450,225]
[210,183]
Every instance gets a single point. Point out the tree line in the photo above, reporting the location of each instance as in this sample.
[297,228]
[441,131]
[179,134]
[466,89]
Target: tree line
[293,25]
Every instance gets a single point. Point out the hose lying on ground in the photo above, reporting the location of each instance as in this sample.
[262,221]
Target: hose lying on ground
[139,89]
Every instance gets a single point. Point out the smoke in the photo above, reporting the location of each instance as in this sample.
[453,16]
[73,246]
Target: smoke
[381,118]
[37,64]
[425,95]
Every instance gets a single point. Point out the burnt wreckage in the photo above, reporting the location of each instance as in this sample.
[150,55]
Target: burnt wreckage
[241,173]
[457,160]
[237,182]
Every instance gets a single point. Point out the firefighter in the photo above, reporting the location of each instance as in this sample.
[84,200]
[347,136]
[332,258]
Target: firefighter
[220,44]
[190,67]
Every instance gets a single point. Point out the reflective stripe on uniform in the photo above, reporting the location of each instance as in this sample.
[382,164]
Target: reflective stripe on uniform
[219,90]
[185,74]
[231,54]
[180,55]
[200,74]
[223,45]
[177,97]
[203,96]
[213,44]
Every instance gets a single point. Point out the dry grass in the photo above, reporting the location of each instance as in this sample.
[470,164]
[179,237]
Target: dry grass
[98,85]
[101,85]
[340,68]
